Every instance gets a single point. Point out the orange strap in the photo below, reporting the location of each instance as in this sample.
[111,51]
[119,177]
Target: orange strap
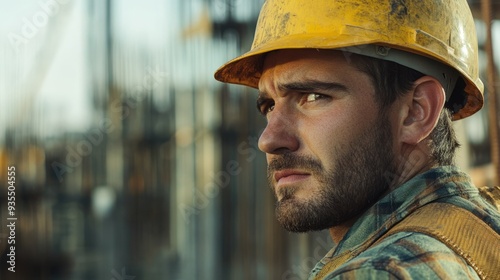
[463,232]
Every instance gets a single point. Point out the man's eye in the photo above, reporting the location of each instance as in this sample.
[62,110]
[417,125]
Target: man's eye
[313,97]
[266,107]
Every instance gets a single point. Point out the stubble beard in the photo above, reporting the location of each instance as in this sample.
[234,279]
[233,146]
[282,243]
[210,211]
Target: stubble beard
[356,182]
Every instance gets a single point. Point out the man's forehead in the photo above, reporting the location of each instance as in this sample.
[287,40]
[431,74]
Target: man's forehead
[300,65]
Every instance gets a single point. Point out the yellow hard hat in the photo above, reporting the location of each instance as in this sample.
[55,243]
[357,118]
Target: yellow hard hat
[437,38]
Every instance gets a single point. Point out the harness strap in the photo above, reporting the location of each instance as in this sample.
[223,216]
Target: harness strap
[463,232]
[491,194]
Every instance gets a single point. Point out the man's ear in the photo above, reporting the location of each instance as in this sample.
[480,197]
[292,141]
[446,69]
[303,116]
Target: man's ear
[424,104]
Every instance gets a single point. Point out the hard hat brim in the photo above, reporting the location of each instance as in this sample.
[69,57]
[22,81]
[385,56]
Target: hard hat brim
[246,69]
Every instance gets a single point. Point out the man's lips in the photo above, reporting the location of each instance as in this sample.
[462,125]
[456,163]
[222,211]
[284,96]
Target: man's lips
[283,176]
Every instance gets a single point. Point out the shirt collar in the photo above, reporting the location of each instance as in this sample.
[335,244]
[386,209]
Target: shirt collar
[424,188]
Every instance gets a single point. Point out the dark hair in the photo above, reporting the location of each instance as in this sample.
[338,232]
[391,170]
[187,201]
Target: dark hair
[392,80]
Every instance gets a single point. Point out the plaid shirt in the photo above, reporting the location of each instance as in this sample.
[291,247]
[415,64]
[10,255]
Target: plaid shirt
[409,255]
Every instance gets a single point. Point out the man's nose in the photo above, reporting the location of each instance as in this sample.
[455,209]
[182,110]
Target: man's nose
[280,135]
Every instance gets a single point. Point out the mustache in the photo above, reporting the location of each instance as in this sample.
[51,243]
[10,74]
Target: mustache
[291,161]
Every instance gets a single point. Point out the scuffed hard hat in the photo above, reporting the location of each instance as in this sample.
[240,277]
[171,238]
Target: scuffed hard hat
[437,38]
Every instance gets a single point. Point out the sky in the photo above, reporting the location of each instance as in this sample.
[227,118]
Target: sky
[51,79]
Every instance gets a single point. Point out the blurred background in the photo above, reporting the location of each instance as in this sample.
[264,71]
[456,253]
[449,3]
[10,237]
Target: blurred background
[132,162]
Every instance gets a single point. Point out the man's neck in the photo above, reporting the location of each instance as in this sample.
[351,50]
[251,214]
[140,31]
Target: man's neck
[337,233]
[412,161]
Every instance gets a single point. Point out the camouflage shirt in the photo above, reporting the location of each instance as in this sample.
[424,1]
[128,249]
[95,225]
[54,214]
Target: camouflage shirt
[410,255]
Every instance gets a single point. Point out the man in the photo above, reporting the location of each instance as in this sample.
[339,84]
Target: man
[359,98]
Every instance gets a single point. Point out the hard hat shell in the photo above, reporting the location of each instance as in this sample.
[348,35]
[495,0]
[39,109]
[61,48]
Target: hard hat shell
[442,30]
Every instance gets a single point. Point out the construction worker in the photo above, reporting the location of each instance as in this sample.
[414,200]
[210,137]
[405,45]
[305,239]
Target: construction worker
[359,98]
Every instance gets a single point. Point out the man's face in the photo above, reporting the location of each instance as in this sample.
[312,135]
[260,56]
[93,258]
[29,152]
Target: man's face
[328,146]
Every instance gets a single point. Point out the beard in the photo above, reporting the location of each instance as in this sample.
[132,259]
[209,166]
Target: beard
[355,183]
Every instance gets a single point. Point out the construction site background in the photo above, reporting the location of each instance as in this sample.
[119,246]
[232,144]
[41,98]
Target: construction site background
[132,161]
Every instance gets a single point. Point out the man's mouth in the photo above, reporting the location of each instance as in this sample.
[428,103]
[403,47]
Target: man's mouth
[289,176]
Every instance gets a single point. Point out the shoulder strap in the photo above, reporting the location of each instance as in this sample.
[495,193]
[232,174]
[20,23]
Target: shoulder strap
[463,232]
[491,194]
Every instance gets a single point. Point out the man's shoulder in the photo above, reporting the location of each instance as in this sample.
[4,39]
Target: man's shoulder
[406,255]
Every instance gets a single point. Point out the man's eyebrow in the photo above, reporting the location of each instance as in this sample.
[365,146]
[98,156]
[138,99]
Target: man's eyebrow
[302,86]
[311,85]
